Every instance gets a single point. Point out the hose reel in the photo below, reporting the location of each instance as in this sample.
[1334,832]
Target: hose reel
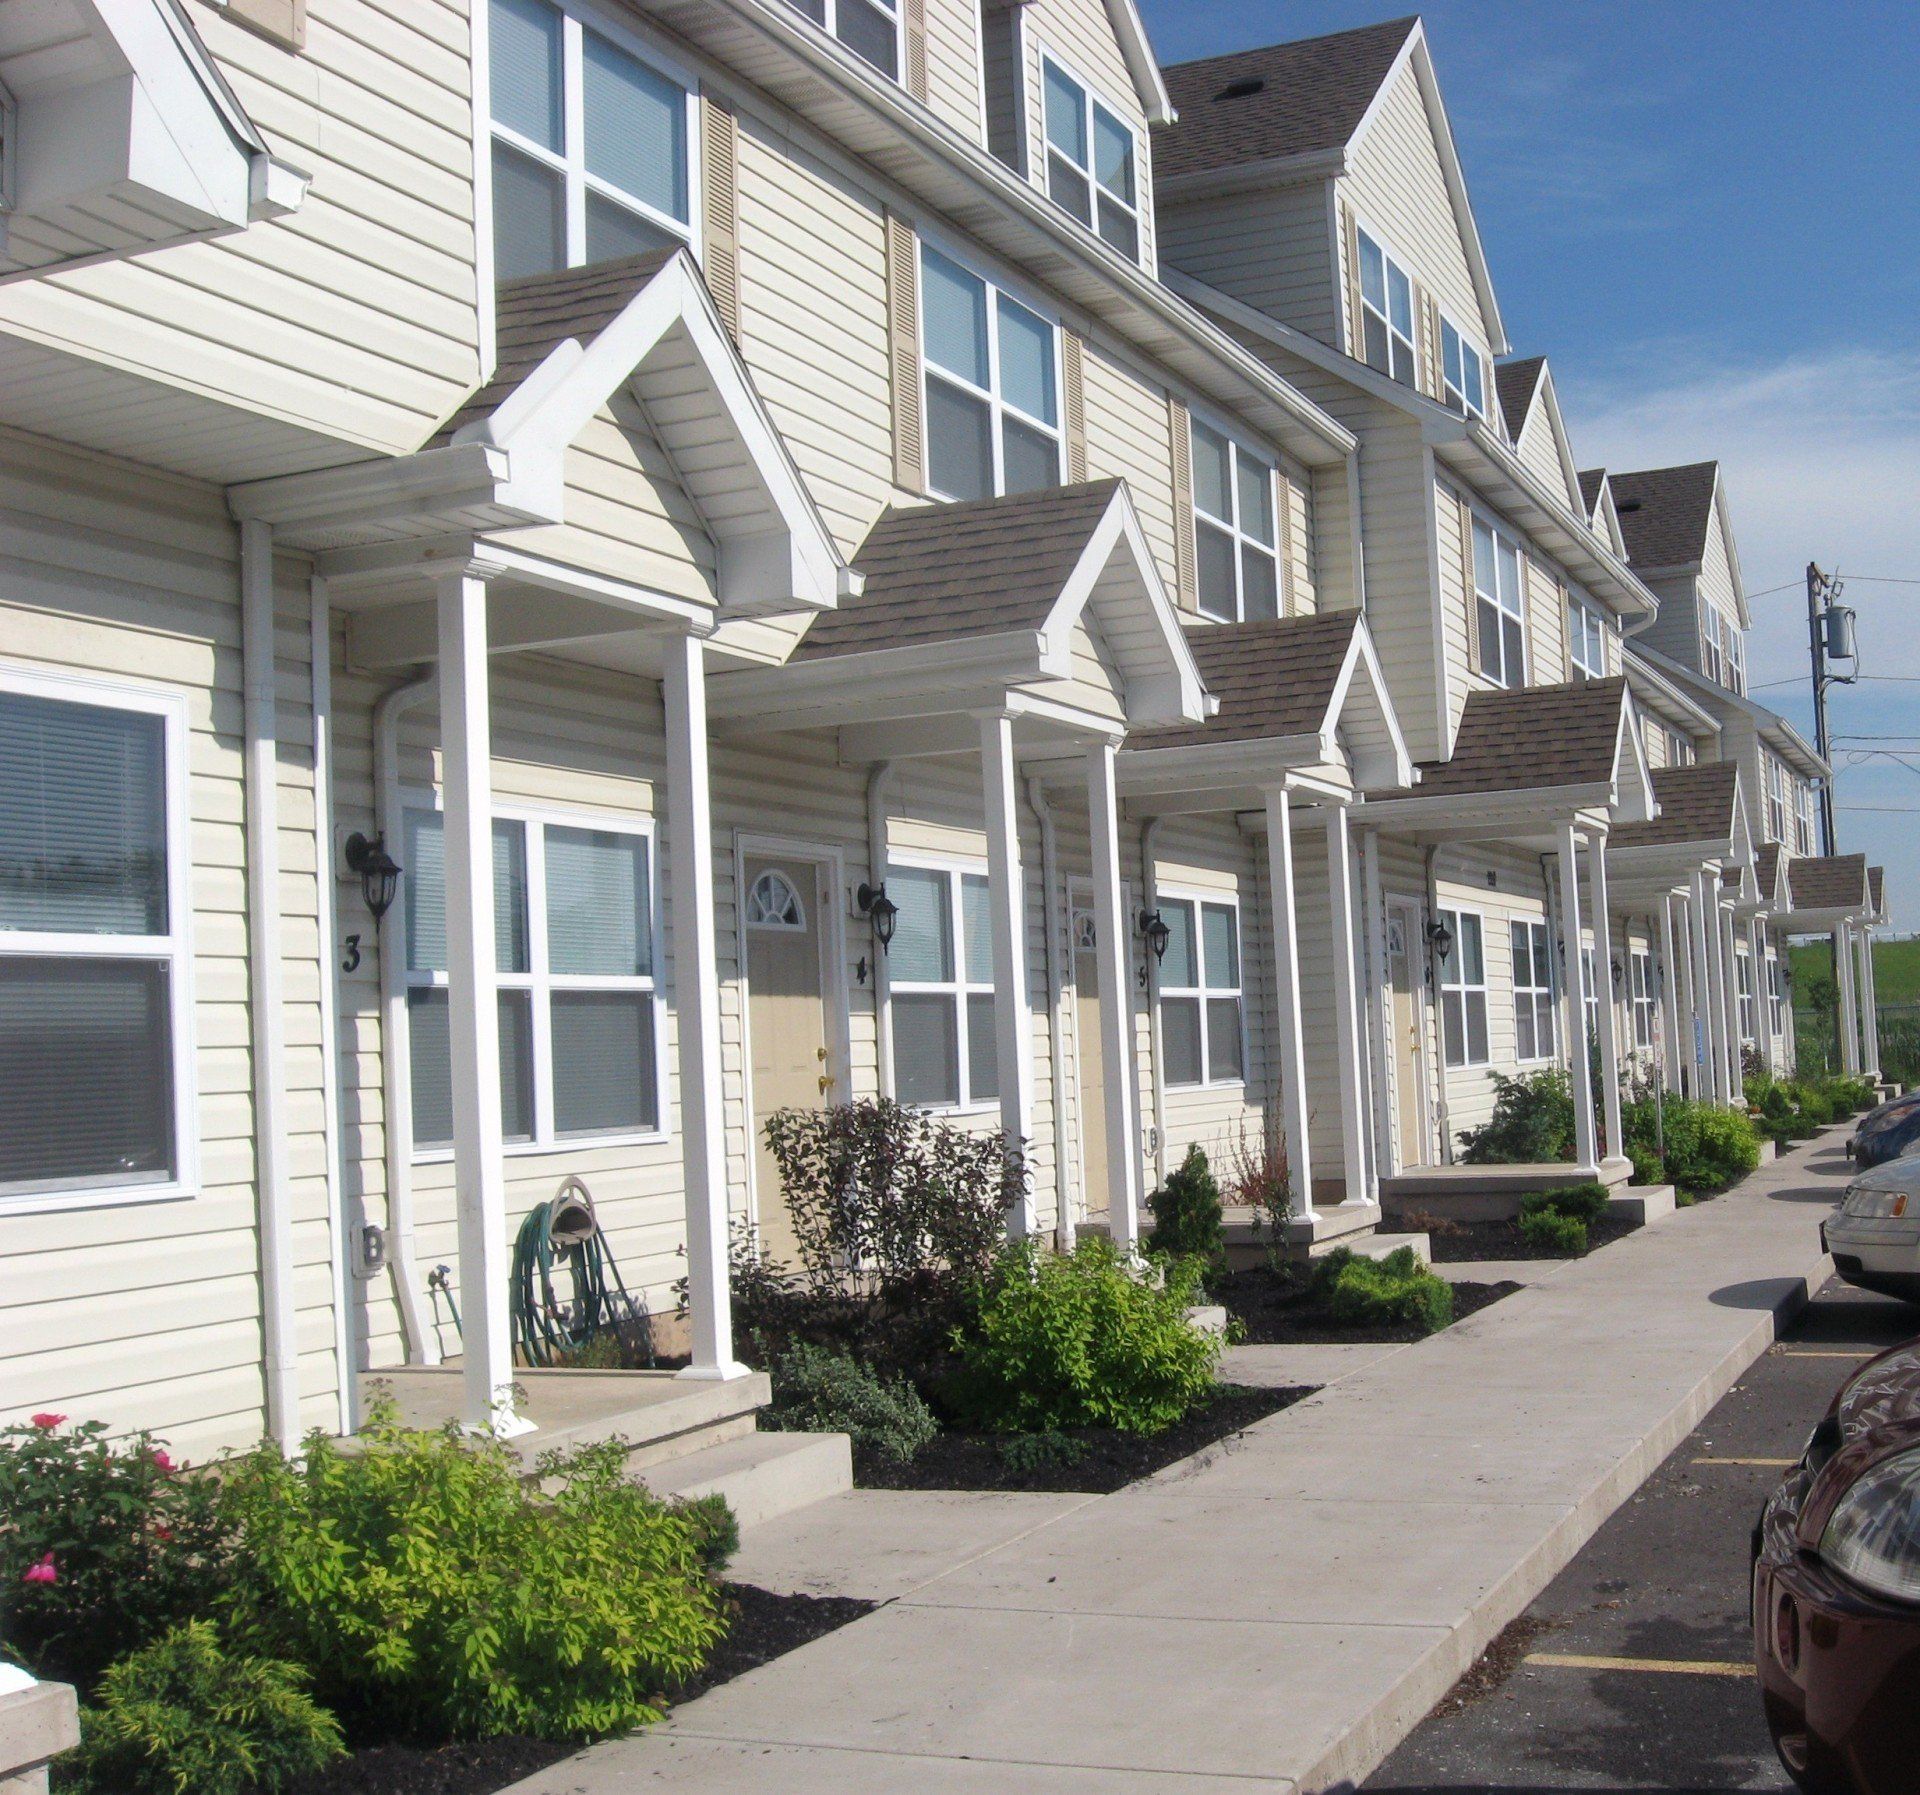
[547,1329]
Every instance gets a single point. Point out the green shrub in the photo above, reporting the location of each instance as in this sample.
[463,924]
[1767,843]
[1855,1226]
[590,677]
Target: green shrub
[1708,1149]
[1532,1122]
[1584,1203]
[1024,1453]
[1078,1340]
[102,1547]
[716,1530]
[1548,1231]
[816,1390]
[1186,1212]
[183,1716]
[1380,1292]
[437,1595]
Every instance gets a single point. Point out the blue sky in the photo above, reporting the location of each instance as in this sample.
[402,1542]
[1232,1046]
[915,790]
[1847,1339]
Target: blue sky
[1707,215]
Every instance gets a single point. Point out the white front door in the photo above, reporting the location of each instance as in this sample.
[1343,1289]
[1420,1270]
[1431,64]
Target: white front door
[1412,1139]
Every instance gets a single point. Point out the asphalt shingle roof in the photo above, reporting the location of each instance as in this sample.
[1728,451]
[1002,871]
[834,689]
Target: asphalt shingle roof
[1766,867]
[1532,740]
[1829,882]
[1664,512]
[1283,100]
[1696,804]
[983,567]
[1516,382]
[1273,678]
[1877,886]
[1590,480]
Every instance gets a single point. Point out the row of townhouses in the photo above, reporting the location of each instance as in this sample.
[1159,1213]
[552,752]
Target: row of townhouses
[574,573]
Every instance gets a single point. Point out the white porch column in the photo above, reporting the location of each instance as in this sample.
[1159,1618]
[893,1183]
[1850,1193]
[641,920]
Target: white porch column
[473,1010]
[1348,1031]
[1006,899]
[1736,1078]
[1868,1004]
[1849,1018]
[1706,930]
[1586,1144]
[1671,1015]
[1290,1048]
[1379,1002]
[1603,993]
[696,1010]
[1116,1009]
[1762,995]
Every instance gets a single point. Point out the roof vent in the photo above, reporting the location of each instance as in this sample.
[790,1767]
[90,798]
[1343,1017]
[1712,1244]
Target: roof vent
[1623,506]
[1242,90]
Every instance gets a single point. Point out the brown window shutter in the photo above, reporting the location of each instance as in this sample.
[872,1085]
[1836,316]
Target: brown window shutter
[903,352]
[1436,355]
[916,20]
[1283,500]
[1350,232]
[1185,577]
[1073,393]
[720,233]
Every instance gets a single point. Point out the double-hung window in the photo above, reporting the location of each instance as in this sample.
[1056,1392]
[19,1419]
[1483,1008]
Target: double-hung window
[1586,638]
[1733,654]
[574,955]
[1743,966]
[1803,806]
[1386,312]
[592,145]
[1092,160]
[992,386]
[96,1071]
[869,28]
[1710,661]
[1643,994]
[1533,1028]
[1464,369]
[1777,995]
[1679,748]
[1499,605]
[1590,996]
[1202,1030]
[1236,547]
[940,984]
[1776,801]
[1463,990]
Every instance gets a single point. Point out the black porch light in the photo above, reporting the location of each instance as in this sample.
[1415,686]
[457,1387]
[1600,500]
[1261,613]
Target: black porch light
[1440,938]
[379,872]
[1154,927]
[880,910]
[1619,973]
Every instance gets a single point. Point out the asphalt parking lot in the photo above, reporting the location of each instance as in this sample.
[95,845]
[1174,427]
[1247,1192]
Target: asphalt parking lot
[1631,1673]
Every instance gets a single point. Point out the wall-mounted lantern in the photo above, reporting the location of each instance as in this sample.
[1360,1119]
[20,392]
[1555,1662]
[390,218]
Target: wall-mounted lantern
[1154,930]
[379,871]
[880,910]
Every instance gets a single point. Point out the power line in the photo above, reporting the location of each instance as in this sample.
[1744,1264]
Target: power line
[1872,579]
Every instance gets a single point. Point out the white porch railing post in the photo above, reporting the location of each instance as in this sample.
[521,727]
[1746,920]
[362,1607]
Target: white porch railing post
[1346,1006]
[1706,931]
[1849,1001]
[1671,1016]
[1603,995]
[1762,992]
[1586,1146]
[1117,1055]
[1869,1004]
[1006,897]
[1730,965]
[473,1009]
[1378,1010]
[1289,1036]
[696,1009]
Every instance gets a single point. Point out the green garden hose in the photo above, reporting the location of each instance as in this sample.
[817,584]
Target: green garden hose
[546,1330]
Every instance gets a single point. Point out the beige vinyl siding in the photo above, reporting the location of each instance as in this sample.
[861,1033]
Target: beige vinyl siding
[1653,733]
[1003,82]
[1297,541]
[1547,662]
[953,65]
[148,1314]
[1129,437]
[1458,618]
[355,316]
[1272,250]
[1539,453]
[1675,631]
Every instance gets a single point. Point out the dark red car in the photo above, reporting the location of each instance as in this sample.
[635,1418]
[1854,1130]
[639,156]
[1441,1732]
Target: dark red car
[1836,1591]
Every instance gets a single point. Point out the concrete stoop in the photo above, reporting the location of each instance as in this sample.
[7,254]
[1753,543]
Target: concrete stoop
[1484,1193]
[1643,1203]
[761,1475]
[1249,1240]
[1207,1318]
[1375,1245]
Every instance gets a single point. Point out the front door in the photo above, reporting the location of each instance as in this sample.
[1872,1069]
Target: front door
[1409,1057]
[1095,1198]
[786,1018]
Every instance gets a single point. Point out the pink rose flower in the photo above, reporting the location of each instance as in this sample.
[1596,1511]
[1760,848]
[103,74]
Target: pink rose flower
[164,1463]
[46,1422]
[43,1572]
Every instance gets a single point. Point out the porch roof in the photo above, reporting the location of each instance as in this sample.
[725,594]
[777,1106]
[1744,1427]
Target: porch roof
[1828,889]
[1877,888]
[1770,874]
[1699,807]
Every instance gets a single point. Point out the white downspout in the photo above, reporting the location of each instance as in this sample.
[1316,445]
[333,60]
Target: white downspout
[878,779]
[396,1072]
[1157,1085]
[1057,1069]
[264,995]
[1430,978]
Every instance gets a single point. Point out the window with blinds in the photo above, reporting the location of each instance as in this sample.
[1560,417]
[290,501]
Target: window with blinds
[940,985]
[95,1069]
[1202,1026]
[574,954]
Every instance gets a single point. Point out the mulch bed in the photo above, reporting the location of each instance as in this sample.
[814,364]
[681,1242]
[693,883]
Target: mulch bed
[1461,1243]
[1277,1311]
[1107,1460]
[764,1626]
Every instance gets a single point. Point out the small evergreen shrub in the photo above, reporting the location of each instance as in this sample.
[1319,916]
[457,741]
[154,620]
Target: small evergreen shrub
[1583,1203]
[1377,1292]
[1186,1212]
[184,1716]
[716,1531]
[1023,1453]
[1079,1340]
[1548,1231]
[819,1391]
[1532,1122]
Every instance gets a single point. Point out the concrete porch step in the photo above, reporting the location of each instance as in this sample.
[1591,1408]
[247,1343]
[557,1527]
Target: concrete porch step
[1241,1224]
[1375,1246]
[1643,1203]
[761,1475]
[1207,1318]
[1485,1193]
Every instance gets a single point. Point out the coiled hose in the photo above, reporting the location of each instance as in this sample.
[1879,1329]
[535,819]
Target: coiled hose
[546,1330]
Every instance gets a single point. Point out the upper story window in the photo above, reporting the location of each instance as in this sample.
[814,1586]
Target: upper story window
[1733,654]
[1092,160]
[1776,801]
[940,988]
[1500,610]
[869,28]
[1586,638]
[992,386]
[1202,1027]
[592,146]
[1465,371]
[1236,553]
[1803,806]
[1679,748]
[96,1056]
[1463,990]
[1386,312]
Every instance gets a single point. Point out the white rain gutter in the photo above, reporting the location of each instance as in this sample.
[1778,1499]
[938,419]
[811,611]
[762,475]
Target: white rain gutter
[264,994]
[396,1072]
[1063,1229]
[1433,1007]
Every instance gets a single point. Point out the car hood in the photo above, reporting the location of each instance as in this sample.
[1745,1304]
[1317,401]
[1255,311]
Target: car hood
[1895,1109]
[1881,1398]
[1902,1174]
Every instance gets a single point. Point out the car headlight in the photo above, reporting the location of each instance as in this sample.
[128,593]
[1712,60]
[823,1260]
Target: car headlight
[1869,1204]
[1873,1535]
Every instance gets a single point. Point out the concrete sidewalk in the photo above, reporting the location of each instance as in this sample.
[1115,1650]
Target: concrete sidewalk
[1280,1610]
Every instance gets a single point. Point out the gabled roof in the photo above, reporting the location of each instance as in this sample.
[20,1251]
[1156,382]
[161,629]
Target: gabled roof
[1770,874]
[1698,804]
[1534,738]
[1664,513]
[1654,691]
[1137,52]
[1877,889]
[1592,481]
[1530,388]
[1517,382]
[1830,882]
[1773,729]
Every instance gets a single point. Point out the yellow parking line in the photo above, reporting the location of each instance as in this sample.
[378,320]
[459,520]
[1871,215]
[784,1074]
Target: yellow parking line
[1770,1463]
[1818,1352]
[1686,1667]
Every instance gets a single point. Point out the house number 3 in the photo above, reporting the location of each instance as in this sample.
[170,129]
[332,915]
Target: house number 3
[352,962]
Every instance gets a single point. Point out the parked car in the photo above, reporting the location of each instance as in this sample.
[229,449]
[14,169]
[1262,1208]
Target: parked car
[1874,1236]
[1836,1591]
[1887,1132]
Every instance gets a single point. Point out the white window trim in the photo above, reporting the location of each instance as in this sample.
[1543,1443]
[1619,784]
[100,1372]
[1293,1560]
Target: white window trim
[831,30]
[1277,495]
[1393,259]
[1532,992]
[1482,519]
[1203,992]
[1091,96]
[535,820]
[1804,818]
[1776,995]
[1469,345]
[999,408]
[175,947]
[1585,619]
[1458,912]
[958,988]
[577,16]
[1589,991]
[1643,998]
[1746,988]
[1776,800]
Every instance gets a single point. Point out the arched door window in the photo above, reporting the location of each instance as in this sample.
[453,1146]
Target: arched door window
[773,903]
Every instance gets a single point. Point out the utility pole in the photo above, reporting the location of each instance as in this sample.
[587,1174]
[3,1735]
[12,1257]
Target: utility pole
[1830,638]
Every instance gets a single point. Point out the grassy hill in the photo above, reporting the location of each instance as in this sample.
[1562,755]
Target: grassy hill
[1896,969]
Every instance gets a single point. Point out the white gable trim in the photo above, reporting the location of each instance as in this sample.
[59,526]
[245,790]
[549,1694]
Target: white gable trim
[1137,51]
[1723,522]
[1361,702]
[1633,800]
